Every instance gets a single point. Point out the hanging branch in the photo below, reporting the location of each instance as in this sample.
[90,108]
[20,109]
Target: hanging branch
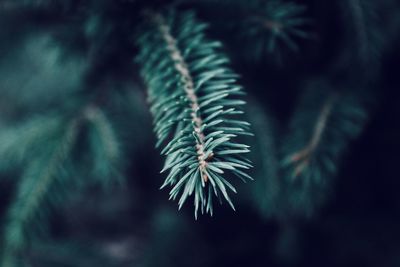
[258,27]
[47,177]
[191,89]
[275,21]
[105,148]
[264,27]
[302,158]
[36,188]
[318,137]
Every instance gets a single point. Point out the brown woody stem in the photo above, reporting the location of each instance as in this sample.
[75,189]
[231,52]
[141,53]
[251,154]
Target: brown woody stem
[188,85]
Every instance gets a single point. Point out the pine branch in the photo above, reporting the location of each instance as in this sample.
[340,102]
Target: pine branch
[303,157]
[34,190]
[105,148]
[20,143]
[190,89]
[50,170]
[261,27]
[274,21]
[320,133]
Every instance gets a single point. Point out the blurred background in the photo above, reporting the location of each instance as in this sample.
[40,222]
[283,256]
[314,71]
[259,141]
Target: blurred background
[56,55]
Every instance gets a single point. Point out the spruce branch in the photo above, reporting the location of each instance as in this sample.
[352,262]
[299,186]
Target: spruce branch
[191,89]
[33,191]
[50,168]
[105,148]
[259,27]
[264,27]
[20,143]
[188,86]
[302,158]
[280,19]
[320,132]
[272,22]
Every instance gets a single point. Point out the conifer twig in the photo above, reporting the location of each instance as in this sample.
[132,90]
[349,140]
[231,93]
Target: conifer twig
[188,85]
[303,157]
[190,89]
[32,192]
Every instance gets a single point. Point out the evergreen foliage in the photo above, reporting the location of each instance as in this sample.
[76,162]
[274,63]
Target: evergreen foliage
[323,125]
[262,28]
[46,151]
[80,80]
[191,90]
[266,26]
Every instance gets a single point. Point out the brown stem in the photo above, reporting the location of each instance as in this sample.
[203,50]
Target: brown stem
[303,157]
[188,85]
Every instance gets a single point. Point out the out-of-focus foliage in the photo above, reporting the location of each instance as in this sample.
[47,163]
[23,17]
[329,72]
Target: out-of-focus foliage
[49,172]
[314,147]
[270,26]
